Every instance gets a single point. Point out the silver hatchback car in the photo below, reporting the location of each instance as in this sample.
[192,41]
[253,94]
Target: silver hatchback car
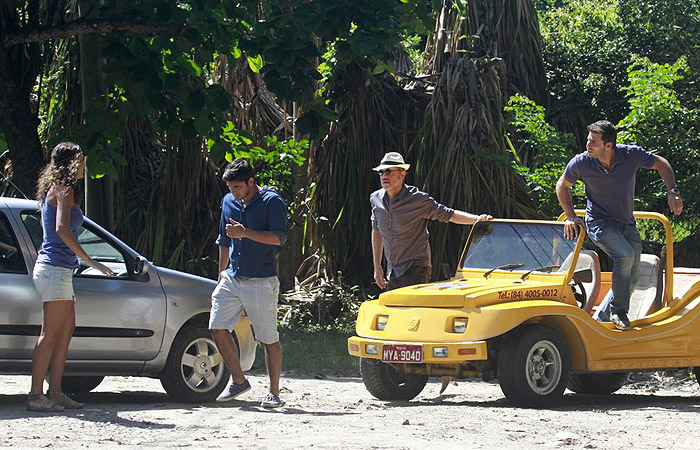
[147,321]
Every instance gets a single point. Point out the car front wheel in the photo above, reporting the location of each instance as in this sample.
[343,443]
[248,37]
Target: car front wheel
[533,366]
[195,371]
[385,383]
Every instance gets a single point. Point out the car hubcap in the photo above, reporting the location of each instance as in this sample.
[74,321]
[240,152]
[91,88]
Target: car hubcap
[202,365]
[544,367]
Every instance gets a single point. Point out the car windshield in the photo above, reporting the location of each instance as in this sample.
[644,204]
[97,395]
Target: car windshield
[531,246]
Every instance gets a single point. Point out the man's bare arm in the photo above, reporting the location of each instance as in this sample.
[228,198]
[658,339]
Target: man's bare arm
[572,222]
[377,251]
[675,202]
[465,218]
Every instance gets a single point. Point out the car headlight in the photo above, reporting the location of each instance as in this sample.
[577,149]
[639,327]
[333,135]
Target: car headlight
[371,349]
[459,324]
[381,322]
[440,352]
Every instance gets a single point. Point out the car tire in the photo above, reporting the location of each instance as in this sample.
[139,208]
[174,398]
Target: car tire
[195,371]
[597,383]
[533,366]
[385,383]
[80,384]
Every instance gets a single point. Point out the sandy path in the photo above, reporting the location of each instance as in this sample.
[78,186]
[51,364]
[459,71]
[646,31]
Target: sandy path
[335,413]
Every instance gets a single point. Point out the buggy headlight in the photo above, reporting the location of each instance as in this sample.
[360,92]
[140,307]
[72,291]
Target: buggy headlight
[459,324]
[380,323]
[440,352]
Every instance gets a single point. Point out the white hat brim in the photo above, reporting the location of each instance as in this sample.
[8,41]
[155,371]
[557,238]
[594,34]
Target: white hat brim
[389,166]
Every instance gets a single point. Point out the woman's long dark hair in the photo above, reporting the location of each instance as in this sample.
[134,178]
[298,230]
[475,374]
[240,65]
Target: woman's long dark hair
[61,170]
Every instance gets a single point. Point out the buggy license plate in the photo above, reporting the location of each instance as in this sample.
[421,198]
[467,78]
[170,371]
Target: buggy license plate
[402,353]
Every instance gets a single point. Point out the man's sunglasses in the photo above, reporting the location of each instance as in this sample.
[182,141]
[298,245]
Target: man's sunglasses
[387,171]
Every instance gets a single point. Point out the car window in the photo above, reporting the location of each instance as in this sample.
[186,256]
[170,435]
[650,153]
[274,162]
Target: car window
[100,250]
[32,222]
[11,260]
[96,246]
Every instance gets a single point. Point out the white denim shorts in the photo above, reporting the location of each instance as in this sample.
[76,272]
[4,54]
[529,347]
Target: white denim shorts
[53,282]
[256,296]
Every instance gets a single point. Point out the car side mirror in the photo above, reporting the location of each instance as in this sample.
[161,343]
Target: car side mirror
[140,266]
[583,276]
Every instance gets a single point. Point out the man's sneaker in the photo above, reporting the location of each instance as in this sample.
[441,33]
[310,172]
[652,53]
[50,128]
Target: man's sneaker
[232,391]
[271,401]
[620,320]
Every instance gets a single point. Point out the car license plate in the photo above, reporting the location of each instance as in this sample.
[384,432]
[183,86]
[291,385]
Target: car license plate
[402,353]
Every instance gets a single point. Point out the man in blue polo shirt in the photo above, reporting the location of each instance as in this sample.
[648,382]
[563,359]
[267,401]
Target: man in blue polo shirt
[608,171]
[252,228]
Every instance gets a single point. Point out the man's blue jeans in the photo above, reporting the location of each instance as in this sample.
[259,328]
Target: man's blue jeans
[623,244]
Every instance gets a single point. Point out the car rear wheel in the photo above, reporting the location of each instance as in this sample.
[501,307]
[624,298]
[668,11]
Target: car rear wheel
[195,371]
[597,383]
[533,366]
[385,383]
[80,385]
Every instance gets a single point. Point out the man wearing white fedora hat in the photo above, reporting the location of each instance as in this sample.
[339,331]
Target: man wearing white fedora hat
[400,215]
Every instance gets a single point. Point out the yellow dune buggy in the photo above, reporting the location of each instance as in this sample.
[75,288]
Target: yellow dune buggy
[520,309]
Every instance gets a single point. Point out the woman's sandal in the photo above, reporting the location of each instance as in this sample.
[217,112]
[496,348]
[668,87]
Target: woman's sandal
[65,401]
[41,403]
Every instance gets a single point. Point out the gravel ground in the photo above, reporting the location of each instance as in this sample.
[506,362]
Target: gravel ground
[654,412]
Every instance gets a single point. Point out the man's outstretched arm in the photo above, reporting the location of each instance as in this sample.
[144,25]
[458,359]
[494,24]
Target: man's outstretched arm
[675,202]
[465,218]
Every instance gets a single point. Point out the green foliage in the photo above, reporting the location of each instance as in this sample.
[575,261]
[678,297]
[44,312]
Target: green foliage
[551,150]
[330,305]
[274,163]
[662,30]
[660,121]
[165,77]
[587,46]
[652,98]
[585,56]
[413,46]
[635,62]
[315,353]
[292,36]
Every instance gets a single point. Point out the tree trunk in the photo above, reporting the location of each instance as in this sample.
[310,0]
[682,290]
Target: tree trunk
[19,67]
[99,192]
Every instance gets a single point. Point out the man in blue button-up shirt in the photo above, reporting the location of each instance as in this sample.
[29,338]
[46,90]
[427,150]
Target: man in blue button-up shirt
[608,171]
[252,228]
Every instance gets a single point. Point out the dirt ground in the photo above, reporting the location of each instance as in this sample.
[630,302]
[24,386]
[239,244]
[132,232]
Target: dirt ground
[656,412]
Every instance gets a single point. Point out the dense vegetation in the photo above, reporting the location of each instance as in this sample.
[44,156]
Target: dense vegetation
[636,63]
[487,100]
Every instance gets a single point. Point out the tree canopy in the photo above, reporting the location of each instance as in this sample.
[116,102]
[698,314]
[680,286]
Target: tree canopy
[497,95]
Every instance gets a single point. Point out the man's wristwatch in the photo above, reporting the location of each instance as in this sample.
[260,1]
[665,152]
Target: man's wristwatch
[674,191]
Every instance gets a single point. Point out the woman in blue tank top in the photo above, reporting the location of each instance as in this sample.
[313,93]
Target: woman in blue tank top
[59,196]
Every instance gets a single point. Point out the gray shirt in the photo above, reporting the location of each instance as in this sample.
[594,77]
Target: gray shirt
[610,194]
[403,224]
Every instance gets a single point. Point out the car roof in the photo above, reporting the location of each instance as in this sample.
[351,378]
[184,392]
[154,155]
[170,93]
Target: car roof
[18,203]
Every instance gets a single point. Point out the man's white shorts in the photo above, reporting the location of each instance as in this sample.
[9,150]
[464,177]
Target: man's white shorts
[256,296]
